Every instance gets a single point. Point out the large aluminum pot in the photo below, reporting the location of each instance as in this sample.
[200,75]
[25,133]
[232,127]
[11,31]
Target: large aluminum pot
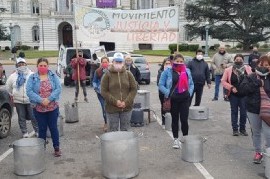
[192,148]
[198,113]
[60,126]
[119,155]
[143,97]
[267,163]
[29,156]
[71,113]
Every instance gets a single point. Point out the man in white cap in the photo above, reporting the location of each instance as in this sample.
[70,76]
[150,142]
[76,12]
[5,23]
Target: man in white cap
[16,86]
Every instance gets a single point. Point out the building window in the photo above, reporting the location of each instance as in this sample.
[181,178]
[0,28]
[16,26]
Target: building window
[15,6]
[171,2]
[17,34]
[35,34]
[144,4]
[35,7]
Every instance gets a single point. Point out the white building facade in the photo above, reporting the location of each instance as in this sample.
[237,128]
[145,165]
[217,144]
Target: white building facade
[46,24]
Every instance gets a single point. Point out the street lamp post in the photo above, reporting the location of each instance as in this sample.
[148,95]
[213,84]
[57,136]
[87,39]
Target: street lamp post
[206,39]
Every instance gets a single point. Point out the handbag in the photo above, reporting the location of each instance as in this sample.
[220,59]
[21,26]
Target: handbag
[265,107]
[167,102]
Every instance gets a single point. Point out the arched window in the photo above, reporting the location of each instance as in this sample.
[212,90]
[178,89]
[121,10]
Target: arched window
[35,7]
[35,34]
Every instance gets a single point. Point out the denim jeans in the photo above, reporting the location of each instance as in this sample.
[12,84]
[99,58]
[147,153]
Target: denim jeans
[258,127]
[217,84]
[237,103]
[45,120]
[102,103]
[25,112]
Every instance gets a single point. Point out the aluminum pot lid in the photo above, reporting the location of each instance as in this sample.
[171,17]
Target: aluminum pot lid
[29,142]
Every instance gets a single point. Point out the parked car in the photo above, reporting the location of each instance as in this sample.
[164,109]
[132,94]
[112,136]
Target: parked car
[3,77]
[6,110]
[110,54]
[143,66]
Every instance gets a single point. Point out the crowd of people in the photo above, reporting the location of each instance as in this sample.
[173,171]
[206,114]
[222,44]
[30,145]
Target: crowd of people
[245,86]
[36,95]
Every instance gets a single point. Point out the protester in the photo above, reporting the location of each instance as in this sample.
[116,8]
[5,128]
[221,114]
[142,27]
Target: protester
[130,66]
[78,66]
[118,88]
[231,80]
[200,75]
[220,61]
[14,53]
[43,90]
[166,64]
[96,84]
[251,86]
[16,86]
[177,83]
[253,58]
[94,64]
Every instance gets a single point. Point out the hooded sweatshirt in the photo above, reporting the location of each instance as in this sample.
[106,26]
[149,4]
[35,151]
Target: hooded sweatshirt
[19,95]
[118,86]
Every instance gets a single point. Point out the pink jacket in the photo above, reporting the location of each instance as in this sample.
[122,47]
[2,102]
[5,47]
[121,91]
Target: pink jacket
[226,78]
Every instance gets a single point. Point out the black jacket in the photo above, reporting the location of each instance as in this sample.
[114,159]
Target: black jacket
[135,71]
[199,71]
[251,57]
[250,85]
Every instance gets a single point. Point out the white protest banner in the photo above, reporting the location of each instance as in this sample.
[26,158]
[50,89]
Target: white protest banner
[159,26]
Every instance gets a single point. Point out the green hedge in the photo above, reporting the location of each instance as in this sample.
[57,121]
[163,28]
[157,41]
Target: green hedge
[25,47]
[183,47]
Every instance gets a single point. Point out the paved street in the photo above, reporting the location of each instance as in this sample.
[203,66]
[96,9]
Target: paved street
[225,156]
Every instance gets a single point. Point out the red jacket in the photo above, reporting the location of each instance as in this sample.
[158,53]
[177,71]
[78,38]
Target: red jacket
[82,64]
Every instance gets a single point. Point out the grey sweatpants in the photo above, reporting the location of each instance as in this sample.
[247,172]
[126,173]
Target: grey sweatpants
[122,118]
[25,112]
[258,126]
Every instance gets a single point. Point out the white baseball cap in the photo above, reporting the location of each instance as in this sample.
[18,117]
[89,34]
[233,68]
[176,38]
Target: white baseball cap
[118,57]
[20,60]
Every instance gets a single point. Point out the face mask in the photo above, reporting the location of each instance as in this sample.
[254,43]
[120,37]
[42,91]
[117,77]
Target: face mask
[262,71]
[43,70]
[118,67]
[168,66]
[238,63]
[199,57]
[22,69]
[179,67]
[104,65]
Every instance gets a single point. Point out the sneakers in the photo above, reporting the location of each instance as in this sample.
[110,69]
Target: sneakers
[57,152]
[86,100]
[235,133]
[25,135]
[176,144]
[215,99]
[257,158]
[243,133]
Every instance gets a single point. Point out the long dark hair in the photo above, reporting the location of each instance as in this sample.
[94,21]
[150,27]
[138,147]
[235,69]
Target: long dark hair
[42,60]
[99,70]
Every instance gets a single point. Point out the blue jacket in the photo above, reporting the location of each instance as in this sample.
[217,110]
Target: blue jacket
[165,82]
[97,81]
[33,87]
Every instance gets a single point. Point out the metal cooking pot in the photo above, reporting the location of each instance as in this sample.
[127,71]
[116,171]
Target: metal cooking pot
[71,113]
[60,126]
[29,156]
[192,148]
[267,162]
[143,97]
[119,154]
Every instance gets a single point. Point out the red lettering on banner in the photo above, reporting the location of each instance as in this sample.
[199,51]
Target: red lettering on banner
[152,37]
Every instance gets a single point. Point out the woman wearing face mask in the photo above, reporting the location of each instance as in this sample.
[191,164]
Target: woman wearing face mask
[43,90]
[16,86]
[166,64]
[200,75]
[118,88]
[96,84]
[177,83]
[230,81]
[251,85]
